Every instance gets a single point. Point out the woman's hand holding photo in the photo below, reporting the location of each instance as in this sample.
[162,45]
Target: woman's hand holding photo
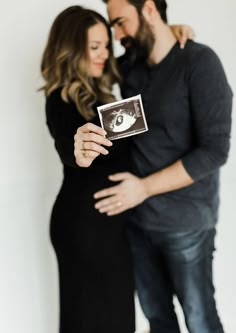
[89,142]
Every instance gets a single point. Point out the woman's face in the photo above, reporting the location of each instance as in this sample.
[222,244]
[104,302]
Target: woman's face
[98,52]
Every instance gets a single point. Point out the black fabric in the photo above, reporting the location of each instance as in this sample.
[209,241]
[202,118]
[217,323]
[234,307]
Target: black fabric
[188,103]
[95,268]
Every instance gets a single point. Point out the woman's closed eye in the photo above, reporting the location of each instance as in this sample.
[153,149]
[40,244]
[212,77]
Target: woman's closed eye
[97,46]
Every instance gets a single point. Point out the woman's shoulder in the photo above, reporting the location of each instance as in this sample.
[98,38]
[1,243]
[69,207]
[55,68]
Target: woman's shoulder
[55,105]
[54,101]
[58,109]
[55,97]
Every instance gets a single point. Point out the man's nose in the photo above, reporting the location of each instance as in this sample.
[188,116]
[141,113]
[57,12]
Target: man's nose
[118,33]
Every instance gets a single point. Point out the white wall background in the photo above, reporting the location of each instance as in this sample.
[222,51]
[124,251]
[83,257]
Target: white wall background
[30,171]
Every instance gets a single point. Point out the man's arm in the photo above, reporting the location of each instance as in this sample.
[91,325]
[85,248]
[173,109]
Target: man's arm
[132,190]
[168,179]
[211,106]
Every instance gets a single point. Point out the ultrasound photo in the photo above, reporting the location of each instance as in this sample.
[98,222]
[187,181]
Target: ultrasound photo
[123,118]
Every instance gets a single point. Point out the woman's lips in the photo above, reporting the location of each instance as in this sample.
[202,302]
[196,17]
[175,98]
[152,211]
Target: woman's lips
[99,65]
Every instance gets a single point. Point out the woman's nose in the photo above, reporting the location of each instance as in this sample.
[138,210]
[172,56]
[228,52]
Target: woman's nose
[105,54]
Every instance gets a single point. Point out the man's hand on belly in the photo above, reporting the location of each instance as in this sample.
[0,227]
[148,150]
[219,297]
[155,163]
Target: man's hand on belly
[130,192]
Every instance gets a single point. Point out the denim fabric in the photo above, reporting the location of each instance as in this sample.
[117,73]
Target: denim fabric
[175,263]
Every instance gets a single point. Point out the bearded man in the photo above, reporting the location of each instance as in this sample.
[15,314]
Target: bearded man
[174,188]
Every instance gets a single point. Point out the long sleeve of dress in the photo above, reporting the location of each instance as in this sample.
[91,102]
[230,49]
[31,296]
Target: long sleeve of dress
[62,120]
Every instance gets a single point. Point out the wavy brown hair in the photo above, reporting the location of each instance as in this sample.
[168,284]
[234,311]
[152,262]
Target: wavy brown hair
[65,61]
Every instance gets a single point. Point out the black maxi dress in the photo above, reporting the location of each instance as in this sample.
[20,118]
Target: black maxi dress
[94,260]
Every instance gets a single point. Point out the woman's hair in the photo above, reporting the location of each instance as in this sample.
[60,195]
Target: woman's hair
[65,61]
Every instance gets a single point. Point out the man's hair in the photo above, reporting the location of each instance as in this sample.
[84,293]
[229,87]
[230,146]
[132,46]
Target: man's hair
[161,6]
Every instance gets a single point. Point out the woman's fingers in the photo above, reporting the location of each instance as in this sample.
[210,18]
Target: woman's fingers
[89,154]
[89,141]
[90,127]
[91,133]
[92,137]
[92,146]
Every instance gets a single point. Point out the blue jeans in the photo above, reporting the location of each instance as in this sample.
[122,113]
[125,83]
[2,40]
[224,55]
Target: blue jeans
[175,263]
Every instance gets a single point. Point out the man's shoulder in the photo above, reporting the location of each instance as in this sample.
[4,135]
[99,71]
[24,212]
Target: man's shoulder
[199,53]
[195,47]
[204,67]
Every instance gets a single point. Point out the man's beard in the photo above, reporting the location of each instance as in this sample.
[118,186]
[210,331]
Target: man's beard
[138,48]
